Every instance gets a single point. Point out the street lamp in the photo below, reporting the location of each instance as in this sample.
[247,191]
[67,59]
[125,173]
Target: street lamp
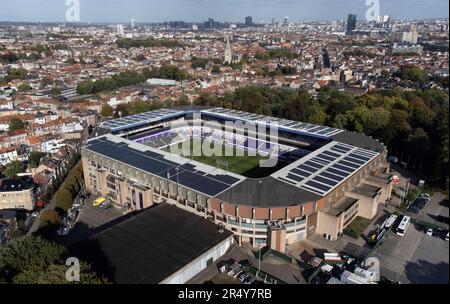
[259,259]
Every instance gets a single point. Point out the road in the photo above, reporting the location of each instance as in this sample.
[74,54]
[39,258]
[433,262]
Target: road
[35,227]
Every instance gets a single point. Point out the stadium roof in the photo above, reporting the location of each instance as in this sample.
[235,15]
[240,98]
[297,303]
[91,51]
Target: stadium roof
[164,240]
[193,175]
[308,178]
[267,192]
[139,119]
[306,128]
[326,168]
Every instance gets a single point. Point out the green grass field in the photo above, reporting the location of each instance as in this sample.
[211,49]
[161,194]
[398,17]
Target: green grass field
[357,227]
[236,164]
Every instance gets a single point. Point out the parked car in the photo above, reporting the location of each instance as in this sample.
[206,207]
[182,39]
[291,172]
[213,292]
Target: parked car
[393,159]
[446,237]
[414,210]
[249,280]
[243,276]
[430,232]
[426,195]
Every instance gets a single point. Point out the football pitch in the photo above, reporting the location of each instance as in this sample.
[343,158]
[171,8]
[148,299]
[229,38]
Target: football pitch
[236,163]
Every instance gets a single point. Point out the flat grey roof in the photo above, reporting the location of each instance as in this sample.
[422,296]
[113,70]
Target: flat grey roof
[139,119]
[267,192]
[307,128]
[358,140]
[151,246]
[340,206]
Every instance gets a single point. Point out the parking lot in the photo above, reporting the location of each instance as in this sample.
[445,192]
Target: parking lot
[91,220]
[277,268]
[414,258]
[435,212]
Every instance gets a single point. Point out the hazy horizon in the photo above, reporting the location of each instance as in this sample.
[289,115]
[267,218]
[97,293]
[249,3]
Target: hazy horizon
[152,11]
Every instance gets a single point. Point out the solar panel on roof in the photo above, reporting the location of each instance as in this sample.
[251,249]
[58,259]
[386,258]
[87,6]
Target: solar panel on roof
[314,165]
[338,150]
[307,168]
[360,157]
[354,160]
[342,168]
[331,176]
[348,164]
[291,124]
[360,152]
[337,172]
[298,125]
[227,179]
[300,172]
[321,161]
[321,128]
[343,147]
[325,131]
[327,157]
[294,177]
[325,181]
[286,180]
[315,129]
[318,186]
[331,154]
[155,164]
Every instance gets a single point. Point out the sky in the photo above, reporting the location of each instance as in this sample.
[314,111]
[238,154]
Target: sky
[221,10]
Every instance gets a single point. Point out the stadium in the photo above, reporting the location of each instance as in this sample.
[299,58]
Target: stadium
[270,181]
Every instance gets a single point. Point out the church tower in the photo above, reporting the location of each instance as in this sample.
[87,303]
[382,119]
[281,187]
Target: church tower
[228,54]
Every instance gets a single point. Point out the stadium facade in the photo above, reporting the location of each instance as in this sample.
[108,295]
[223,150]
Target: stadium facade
[324,179]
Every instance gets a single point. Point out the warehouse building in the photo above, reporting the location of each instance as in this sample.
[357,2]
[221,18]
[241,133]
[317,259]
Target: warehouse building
[169,246]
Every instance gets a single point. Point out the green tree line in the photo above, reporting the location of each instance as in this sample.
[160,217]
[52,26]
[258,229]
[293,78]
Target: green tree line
[130,78]
[412,123]
[34,260]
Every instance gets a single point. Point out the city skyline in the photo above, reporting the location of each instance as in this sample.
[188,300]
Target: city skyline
[221,10]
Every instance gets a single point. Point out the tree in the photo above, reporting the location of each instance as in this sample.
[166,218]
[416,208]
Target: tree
[413,73]
[23,87]
[45,81]
[168,71]
[16,124]
[34,260]
[34,158]
[55,92]
[56,274]
[182,101]
[14,168]
[21,254]
[140,106]
[49,217]
[215,69]
[16,74]
[85,87]
[107,111]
